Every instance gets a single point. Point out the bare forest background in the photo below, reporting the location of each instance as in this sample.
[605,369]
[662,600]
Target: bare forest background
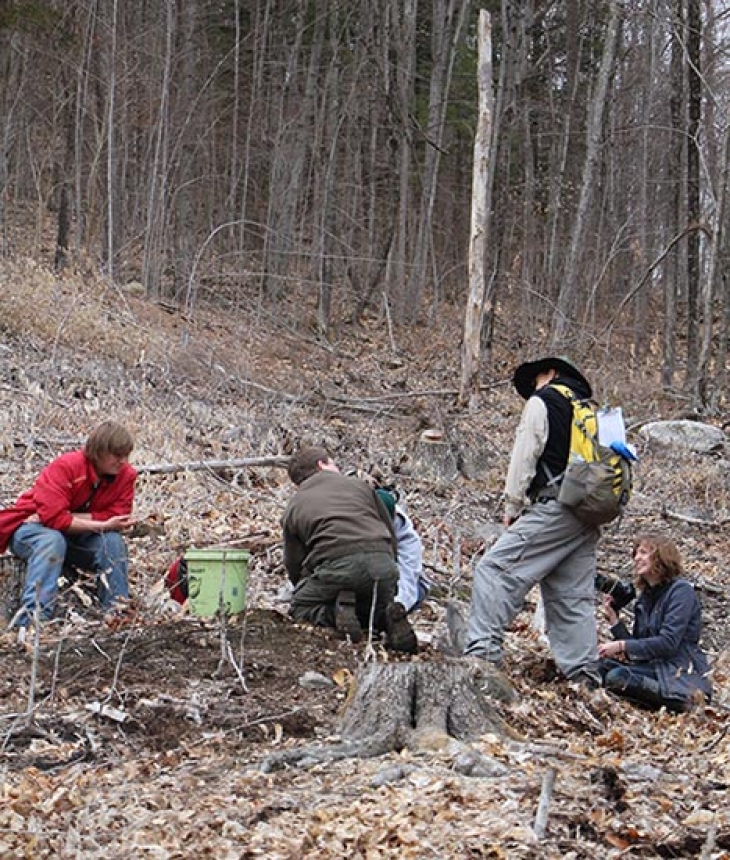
[312,160]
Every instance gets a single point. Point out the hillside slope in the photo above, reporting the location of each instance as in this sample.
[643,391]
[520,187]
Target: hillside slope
[178,773]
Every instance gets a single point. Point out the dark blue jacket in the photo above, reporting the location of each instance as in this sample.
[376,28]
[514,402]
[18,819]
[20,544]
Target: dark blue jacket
[666,635]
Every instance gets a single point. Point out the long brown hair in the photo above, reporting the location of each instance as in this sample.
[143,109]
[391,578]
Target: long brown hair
[666,563]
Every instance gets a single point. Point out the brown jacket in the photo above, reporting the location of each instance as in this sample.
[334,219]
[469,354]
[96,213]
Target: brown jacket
[332,516]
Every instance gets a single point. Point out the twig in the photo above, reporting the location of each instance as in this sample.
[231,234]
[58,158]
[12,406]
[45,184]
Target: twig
[36,654]
[239,673]
[369,652]
[709,844]
[54,679]
[543,806]
[267,719]
[388,320]
[118,667]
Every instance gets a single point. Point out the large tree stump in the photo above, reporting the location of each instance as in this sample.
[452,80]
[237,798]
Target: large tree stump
[432,706]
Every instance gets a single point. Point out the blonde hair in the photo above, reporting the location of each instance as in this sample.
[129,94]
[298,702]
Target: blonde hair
[108,438]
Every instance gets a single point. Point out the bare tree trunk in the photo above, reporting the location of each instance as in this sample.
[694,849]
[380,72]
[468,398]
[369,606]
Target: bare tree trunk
[111,121]
[13,63]
[672,283]
[706,393]
[64,184]
[694,107]
[405,45]
[568,295]
[640,254]
[287,162]
[447,29]
[155,234]
[495,221]
[560,180]
[479,217]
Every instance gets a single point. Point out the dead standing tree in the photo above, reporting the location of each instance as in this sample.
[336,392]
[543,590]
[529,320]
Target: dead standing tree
[479,219]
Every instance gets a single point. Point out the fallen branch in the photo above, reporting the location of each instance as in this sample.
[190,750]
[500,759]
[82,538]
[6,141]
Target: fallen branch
[212,465]
[543,806]
[694,521]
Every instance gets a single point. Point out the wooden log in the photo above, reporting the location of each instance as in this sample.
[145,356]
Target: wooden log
[212,465]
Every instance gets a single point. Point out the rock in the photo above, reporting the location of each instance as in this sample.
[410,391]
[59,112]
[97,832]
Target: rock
[688,435]
[473,763]
[315,681]
[390,774]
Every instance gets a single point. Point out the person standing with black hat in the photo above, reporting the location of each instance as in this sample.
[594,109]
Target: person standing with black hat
[544,543]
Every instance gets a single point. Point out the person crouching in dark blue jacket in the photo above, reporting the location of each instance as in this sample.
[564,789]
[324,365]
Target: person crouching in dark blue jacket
[660,663]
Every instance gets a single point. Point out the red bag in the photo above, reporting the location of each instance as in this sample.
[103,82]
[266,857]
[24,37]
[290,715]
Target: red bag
[176,580]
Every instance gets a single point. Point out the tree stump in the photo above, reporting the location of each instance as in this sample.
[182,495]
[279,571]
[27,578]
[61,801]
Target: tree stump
[12,578]
[422,705]
[435,459]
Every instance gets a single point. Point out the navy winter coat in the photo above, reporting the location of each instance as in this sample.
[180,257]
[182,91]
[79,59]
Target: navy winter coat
[666,635]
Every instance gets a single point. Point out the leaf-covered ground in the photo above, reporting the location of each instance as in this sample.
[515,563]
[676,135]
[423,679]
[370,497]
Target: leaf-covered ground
[149,741]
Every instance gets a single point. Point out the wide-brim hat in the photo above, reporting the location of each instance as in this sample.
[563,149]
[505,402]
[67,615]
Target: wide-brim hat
[524,377]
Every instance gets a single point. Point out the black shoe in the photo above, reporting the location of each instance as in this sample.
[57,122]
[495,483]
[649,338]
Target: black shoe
[588,681]
[399,635]
[346,620]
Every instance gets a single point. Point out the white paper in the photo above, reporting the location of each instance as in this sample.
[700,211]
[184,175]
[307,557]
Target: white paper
[611,426]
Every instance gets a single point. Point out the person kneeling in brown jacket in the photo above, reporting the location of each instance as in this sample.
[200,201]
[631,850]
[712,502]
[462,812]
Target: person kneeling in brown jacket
[340,553]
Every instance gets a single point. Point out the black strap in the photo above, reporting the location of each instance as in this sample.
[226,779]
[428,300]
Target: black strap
[84,509]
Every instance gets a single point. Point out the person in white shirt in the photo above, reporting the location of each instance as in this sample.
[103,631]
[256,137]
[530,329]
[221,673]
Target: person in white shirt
[412,583]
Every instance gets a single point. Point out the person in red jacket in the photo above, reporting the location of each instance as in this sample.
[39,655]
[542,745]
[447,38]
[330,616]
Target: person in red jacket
[74,514]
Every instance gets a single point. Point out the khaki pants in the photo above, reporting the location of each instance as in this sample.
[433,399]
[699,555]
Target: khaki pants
[550,547]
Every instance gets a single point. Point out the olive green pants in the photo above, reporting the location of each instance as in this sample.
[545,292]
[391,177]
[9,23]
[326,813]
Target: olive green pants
[372,576]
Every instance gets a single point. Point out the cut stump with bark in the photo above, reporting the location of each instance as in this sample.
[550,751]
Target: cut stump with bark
[433,706]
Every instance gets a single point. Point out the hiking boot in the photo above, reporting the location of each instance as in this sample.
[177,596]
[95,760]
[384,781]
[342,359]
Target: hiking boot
[346,621]
[399,635]
[587,680]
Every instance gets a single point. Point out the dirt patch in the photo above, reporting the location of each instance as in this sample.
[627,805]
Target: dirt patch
[165,686]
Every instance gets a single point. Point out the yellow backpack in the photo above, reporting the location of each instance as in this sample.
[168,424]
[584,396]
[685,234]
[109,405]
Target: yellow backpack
[597,481]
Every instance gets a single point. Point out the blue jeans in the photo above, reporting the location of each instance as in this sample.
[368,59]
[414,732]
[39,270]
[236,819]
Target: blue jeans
[47,550]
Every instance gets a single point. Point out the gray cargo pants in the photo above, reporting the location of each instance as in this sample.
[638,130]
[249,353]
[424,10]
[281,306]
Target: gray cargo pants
[548,545]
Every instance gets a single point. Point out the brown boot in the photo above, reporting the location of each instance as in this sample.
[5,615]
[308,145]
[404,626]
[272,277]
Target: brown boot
[398,631]
[346,620]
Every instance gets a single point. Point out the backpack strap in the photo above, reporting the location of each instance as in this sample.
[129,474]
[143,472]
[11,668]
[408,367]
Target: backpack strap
[554,481]
[578,422]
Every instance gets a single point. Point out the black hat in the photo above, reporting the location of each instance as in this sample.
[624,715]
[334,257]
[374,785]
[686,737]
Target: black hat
[524,377]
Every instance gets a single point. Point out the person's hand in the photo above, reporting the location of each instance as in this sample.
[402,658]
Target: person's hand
[612,649]
[118,523]
[33,518]
[609,611]
[508,519]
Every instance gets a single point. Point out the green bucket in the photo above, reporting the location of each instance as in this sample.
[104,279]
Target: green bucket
[217,579]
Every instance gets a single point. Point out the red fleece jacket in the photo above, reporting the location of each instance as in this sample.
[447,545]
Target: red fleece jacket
[69,485]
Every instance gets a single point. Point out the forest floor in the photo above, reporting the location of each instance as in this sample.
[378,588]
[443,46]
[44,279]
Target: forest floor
[151,741]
